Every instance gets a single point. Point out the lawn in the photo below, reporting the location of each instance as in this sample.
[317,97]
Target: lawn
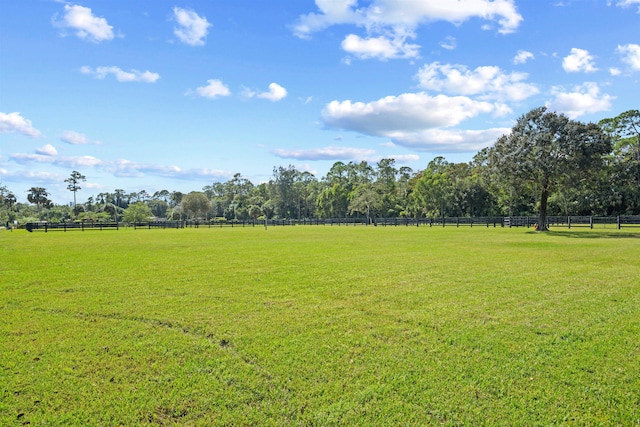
[322,326]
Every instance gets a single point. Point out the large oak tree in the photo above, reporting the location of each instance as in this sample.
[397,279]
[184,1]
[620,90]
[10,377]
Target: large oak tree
[545,151]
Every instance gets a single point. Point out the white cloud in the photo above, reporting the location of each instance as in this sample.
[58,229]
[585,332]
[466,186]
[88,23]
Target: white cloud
[192,29]
[67,162]
[342,153]
[579,60]
[415,120]
[275,93]
[32,176]
[404,16]
[614,71]
[583,99]
[489,82]
[47,150]
[448,43]
[128,168]
[120,75]
[449,140]
[523,56]
[628,3]
[381,47]
[325,153]
[406,111]
[14,122]
[213,89]
[76,138]
[120,168]
[86,25]
[332,12]
[403,158]
[630,55]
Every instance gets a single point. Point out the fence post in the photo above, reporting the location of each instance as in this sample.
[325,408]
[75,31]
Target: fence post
[618,221]
[591,222]
[569,222]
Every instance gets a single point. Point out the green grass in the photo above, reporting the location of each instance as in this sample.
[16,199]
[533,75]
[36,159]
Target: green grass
[320,326]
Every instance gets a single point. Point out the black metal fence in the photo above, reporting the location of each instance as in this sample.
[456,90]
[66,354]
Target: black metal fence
[64,226]
[618,222]
[509,221]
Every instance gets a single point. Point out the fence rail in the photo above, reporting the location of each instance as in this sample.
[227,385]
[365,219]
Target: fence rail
[64,226]
[618,222]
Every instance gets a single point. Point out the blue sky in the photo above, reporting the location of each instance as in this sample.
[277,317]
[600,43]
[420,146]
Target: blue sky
[154,94]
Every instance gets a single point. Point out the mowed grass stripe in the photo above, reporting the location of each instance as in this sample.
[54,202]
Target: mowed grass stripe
[320,326]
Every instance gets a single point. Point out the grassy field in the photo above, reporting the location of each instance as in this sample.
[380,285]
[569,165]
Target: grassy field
[320,326]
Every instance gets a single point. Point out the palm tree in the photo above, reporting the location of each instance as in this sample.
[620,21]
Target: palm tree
[38,196]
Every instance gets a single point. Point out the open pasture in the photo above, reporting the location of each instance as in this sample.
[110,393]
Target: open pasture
[320,326]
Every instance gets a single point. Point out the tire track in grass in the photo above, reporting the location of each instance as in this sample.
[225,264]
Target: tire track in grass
[223,343]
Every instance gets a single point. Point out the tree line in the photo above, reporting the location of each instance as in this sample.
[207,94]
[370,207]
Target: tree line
[547,165]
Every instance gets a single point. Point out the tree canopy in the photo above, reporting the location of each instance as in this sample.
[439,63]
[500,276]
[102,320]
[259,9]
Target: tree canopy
[547,164]
[546,151]
[137,212]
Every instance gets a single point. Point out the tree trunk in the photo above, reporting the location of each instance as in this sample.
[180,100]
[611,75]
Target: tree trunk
[542,213]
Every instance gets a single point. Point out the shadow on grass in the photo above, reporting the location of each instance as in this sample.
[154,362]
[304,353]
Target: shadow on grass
[590,234]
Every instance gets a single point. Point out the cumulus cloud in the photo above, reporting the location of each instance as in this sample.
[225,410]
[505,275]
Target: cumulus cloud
[86,25]
[381,47]
[489,82]
[14,122]
[415,120]
[121,75]
[630,55]
[406,111]
[523,56]
[192,29]
[75,138]
[629,3]
[325,153]
[404,16]
[47,150]
[331,13]
[579,60]
[213,89]
[275,93]
[581,100]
